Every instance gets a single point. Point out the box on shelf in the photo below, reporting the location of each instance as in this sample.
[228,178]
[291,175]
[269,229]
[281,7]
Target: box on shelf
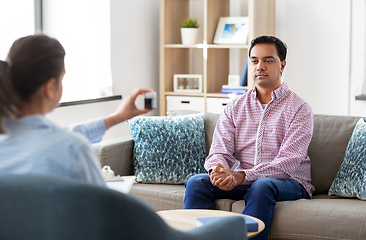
[185,103]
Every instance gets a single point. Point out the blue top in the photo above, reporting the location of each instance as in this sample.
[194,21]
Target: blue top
[33,145]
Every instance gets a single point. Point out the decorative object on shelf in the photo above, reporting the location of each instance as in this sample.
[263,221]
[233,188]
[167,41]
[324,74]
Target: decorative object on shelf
[234,80]
[232,30]
[233,86]
[189,31]
[188,83]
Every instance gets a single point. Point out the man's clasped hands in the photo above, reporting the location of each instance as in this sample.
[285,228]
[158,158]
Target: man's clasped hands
[224,178]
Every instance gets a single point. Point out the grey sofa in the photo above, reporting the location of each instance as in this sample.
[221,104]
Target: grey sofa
[322,217]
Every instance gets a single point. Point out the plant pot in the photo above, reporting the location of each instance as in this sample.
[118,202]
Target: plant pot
[189,35]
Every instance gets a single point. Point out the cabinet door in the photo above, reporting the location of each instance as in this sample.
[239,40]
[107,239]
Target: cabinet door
[185,103]
[216,105]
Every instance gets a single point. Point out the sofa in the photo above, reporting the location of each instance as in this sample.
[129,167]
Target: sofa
[322,217]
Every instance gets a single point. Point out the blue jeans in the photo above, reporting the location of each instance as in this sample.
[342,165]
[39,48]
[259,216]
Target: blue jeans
[260,197]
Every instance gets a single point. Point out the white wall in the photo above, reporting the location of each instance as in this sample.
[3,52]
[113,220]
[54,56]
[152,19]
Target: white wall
[325,64]
[358,63]
[326,52]
[135,62]
[318,37]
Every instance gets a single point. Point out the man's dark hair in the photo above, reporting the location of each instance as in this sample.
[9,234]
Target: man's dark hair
[280,45]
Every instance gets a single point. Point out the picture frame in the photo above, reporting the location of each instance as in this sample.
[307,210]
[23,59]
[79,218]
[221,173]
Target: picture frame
[232,30]
[189,83]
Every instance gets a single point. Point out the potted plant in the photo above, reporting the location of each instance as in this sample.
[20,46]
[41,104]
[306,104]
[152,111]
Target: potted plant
[189,31]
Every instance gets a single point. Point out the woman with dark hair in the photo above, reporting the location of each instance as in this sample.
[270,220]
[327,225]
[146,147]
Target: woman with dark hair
[31,86]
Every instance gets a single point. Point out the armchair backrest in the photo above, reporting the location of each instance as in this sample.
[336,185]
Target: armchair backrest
[40,207]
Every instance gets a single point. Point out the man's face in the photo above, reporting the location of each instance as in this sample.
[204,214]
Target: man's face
[266,66]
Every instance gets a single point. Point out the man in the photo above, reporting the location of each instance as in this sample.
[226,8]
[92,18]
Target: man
[268,131]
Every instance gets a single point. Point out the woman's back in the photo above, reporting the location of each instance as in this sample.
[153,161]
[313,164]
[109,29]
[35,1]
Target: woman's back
[33,145]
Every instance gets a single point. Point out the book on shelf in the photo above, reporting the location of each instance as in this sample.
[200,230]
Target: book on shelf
[227,89]
[252,225]
[242,88]
[234,87]
[244,74]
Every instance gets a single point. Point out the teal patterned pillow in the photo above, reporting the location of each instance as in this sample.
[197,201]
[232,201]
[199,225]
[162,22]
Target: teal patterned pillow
[168,149]
[351,177]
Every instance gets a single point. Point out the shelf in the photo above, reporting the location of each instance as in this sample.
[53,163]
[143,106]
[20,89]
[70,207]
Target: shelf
[201,45]
[216,95]
[184,94]
[215,62]
[180,46]
[219,95]
[233,46]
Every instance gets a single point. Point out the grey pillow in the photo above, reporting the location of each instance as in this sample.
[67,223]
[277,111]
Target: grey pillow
[351,177]
[168,149]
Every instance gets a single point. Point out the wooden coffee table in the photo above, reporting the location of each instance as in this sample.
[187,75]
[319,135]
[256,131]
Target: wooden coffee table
[185,219]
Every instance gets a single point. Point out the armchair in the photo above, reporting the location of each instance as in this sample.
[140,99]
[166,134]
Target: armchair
[42,207]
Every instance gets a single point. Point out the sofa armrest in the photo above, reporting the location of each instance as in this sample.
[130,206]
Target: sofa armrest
[118,154]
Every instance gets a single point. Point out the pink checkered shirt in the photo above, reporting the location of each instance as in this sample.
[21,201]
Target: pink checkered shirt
[271,142]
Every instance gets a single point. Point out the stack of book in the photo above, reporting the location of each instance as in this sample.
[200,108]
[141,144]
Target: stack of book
[227,89]
[239,90]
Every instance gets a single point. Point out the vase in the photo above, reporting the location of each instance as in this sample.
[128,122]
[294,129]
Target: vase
[189,35]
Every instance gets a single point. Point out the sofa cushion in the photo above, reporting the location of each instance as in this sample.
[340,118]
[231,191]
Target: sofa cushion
[160,196]
[351,177]
[169,197]
[168,149]
[327,147]
[319,218]
[210,120]
[116,153]
[322,217]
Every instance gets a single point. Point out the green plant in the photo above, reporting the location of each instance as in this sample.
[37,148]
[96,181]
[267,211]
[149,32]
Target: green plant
[189,23]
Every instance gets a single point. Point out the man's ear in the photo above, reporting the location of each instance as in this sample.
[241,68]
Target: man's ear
[49,88]
[283,65]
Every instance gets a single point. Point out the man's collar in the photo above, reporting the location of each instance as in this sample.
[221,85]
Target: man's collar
[277,93]
[280,91]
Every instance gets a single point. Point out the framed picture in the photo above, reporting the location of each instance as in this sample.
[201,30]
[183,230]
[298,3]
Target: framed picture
[188,83]
[232,30]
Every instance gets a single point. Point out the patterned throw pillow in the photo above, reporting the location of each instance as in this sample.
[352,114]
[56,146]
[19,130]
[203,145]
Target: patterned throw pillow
[351,177]
[168,149]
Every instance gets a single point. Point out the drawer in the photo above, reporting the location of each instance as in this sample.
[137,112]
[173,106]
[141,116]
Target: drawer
[185,103]
[216,105]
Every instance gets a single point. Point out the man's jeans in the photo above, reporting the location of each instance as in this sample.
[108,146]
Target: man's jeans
[260,197]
